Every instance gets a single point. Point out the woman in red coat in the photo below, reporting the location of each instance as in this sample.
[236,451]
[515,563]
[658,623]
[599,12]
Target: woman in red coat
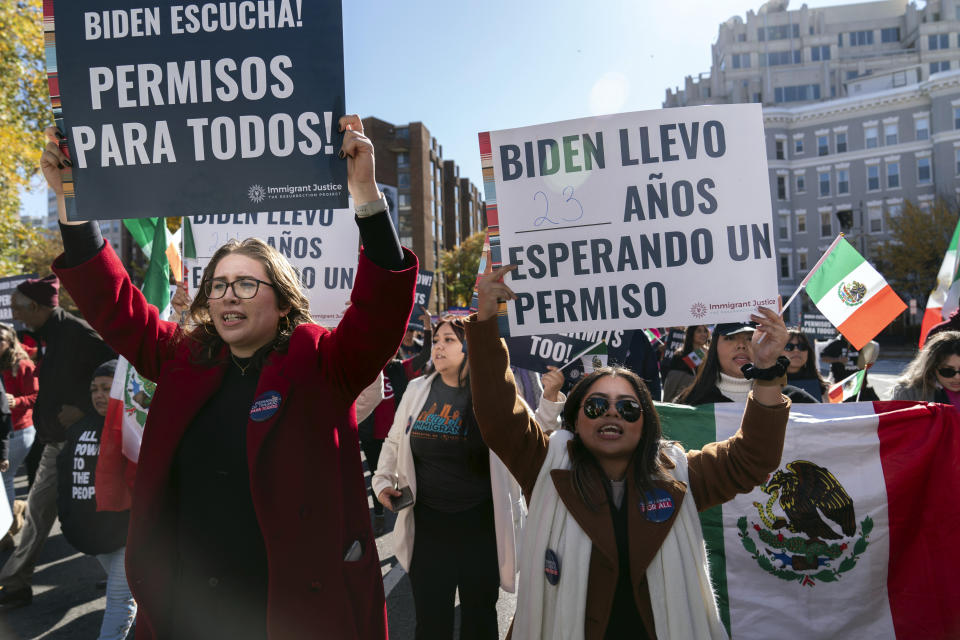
[249,515]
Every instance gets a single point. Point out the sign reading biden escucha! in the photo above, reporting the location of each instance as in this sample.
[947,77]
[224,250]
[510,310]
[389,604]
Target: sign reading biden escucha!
[198,109]
[654,218]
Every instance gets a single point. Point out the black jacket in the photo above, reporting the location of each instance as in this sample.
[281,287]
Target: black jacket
[73,352]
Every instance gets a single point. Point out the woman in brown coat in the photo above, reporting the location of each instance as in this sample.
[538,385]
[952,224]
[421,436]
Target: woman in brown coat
[612,546]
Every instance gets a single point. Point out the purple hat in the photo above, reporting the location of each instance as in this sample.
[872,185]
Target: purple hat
[43,291]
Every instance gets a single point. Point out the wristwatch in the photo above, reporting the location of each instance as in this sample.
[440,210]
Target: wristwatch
[368,209]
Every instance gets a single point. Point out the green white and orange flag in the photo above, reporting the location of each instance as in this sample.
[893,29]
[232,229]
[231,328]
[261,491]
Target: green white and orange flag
[943,298]
[852,536]
[847,388]
[851,294]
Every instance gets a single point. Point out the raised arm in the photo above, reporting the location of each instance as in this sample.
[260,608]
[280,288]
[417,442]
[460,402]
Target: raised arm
[505,422]
[736,465]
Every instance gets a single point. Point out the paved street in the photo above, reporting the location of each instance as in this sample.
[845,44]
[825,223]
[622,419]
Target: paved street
[67,605]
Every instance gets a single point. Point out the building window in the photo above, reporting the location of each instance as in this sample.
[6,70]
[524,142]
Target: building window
[780,32]
[802,262]
[922,128]
[871,137]
[937,67]
[403,159]
[785,265]
[843,181]
[801,223]
[741,60]
[784,230]
[890,133]
[839,39]
[403,200]
[875,220]
[938,41]
[873,177]
[796,93]
[923,171]
[798,145]
[781,187]
[860,38]
[780,58]
[403,180]
[779,148]
[841,140]
[403,132]
[820,53]
[824,180]
[893,175]
[823,145]
[890,34]
[826,225]
[801,184]
[894,210]
[741,37]
[956,153]
[956,117]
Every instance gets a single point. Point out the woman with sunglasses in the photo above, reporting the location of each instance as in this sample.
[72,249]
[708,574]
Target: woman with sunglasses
[802,371]
[934,374]
[249,517]
[612,547]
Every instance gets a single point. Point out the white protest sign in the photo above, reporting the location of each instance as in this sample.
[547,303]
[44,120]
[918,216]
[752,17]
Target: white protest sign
[322,245]
[654,218]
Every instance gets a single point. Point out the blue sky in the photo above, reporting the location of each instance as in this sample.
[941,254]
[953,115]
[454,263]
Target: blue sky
[464,67]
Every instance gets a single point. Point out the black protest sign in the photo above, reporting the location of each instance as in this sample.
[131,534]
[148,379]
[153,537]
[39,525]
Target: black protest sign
[816,326]
[421,298]
[675,339]
[184,109]
[7,286]
[536,353]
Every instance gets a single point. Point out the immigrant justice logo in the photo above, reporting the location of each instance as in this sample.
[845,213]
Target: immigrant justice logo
[256,193]
[801,544]
[853,293]
[698,309]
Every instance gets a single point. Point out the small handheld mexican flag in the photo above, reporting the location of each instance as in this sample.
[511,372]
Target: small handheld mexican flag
[595,358]
[852,295]
[694,358]
[943,299]
[847,388]
[653,336]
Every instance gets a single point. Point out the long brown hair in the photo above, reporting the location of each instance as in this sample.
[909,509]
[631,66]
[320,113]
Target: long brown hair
[10,358]
[809,369]
[648,467]
[921,373]
[286,286]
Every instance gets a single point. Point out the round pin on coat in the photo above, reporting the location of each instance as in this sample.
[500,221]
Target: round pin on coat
[265,406]
[551,567]
[657,505]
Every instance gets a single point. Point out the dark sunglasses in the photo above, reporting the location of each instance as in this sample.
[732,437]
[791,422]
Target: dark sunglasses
[596,406]
[790,346]
[947,372]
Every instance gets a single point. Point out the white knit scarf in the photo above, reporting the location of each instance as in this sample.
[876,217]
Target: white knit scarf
[678,578]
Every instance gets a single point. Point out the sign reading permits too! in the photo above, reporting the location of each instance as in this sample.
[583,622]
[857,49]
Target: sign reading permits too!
[181,108]
[654,218]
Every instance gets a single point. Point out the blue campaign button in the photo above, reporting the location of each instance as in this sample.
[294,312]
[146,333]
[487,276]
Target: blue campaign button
[657,505]
[551,567]
[265,406]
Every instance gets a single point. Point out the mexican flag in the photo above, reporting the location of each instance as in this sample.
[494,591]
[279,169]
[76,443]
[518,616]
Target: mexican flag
[853,536]
[131,394]
[847,388]
[852,295]
[594,357]
[943,299]
[694,358]
[653,336]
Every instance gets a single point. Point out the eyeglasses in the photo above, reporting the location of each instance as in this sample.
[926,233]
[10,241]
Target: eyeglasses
[947,372]
[243,288]
[790,346]
[596,406]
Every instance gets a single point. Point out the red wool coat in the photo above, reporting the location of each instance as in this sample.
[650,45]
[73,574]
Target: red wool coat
[305,472]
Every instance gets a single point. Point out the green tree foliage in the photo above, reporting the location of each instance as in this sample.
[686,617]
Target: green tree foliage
[459,267]
[24,112]
[911,258]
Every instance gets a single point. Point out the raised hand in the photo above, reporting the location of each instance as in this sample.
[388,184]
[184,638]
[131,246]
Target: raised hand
[552,383]
[769,338]
[361,168]
[491,289]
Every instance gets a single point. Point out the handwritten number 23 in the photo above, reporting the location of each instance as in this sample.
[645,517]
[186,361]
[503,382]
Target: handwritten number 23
[567,194]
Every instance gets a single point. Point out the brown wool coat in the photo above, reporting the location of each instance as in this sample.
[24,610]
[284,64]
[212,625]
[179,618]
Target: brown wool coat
[717,473]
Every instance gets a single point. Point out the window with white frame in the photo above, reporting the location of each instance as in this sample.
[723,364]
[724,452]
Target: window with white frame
[841,141]
[873,177]
[956,154]
[801,222]
[938,41]
[894,210]
[922,128]
[823,179]
[875,219]
[780,148]
[798,144]
[923,170]
[826,224]
[893,175]
[871,137]
[801,183]
[890,133]
[823,145]
[802,261]
[843,181]
[781,187]
[937,67]
[956,117]
[783,231]
[785,265]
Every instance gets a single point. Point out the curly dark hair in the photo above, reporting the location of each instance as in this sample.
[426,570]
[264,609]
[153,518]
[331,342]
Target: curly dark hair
[588,478]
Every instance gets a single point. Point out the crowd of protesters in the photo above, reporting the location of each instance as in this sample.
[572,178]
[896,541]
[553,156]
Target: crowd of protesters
[250,516]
